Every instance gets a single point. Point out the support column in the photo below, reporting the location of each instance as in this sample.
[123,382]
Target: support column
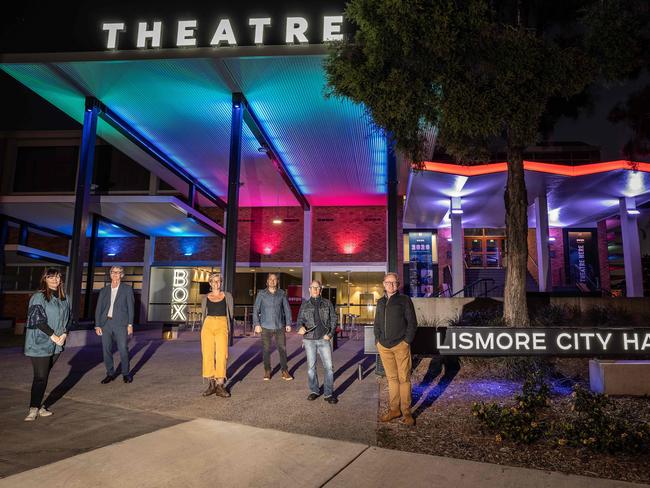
[306,253]
[391,220]
[23,233]
[82,202]
[230,253]
[4,237]
[149,253]
[457,247]
[631,247]
[541,234]
[90,272]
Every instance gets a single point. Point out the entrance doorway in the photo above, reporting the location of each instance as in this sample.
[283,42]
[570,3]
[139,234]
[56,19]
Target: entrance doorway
[484,249]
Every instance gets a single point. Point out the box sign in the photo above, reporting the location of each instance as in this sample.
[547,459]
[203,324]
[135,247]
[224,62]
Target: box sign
[528,341]
[170,294]
[224,32]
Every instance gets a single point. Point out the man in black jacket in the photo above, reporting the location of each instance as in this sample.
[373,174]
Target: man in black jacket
[395,325]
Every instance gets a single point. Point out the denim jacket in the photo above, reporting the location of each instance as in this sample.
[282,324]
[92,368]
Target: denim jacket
[56,313]
[327,316]
[271,310]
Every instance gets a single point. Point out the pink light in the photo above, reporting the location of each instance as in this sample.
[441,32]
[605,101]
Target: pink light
[268,250]
[349,248]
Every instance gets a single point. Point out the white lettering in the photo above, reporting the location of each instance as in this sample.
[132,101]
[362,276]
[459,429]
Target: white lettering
[180,278]
[605,341]
[154,34]
[296,28]
[465,340]
[439,342]
[507,336]
[559,341]
[646,342]
[332,28]
[185,36]
[259,24]
[180,295]
[178,312]
[224,33]
[634,340]
[488,343]
[521,341]
[113,28]
[539,341]
[587,337]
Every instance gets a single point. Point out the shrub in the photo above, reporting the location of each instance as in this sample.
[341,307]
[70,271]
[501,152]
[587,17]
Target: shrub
[521,421]
[608,316]
[598,425]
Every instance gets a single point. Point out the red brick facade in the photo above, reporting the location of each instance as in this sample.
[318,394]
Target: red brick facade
[349,234]
[259,240]
[179,249]
[556,251]
[603,256]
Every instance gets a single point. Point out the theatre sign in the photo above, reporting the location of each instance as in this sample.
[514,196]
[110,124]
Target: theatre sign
[186,32]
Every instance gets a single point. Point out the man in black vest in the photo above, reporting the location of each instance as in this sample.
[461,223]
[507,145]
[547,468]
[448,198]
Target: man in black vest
[114,322]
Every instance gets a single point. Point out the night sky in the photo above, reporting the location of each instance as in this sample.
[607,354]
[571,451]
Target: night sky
[35,26]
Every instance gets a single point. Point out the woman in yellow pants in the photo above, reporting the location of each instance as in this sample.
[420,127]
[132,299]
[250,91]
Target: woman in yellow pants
[217,312]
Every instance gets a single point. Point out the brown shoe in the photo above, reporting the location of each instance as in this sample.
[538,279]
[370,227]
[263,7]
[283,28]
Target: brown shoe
[390,415]
[286,376]
[408,420]
[222,392]
[267,375]
[212,385]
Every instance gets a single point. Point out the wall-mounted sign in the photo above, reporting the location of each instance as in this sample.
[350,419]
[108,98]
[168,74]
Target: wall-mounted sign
[582,260]
[512,341]
[186,32]
[420,270]
[171,293]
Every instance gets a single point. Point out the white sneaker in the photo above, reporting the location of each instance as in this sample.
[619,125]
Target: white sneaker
[32,415]
[44,412]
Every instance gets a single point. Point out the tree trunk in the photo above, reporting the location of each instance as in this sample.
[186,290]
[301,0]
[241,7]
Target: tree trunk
[515,309]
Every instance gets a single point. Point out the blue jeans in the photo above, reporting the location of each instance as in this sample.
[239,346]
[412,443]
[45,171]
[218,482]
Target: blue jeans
[324,350]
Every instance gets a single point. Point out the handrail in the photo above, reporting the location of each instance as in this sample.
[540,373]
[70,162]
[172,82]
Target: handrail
[472,285]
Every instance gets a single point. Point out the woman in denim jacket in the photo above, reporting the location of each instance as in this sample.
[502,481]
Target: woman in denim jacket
[48,318]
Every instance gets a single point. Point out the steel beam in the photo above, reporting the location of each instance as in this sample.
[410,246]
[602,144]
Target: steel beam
[92,262]
[82,203]
[234,166]
[391,220]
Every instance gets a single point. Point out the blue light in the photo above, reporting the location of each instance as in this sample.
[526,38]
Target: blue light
[188,253]
[111,254]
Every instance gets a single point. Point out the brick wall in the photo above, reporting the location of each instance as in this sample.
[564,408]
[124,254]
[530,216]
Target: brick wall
[126,249]
[15,305]
[349,234]
[197,248]
[57,245]
[259,240]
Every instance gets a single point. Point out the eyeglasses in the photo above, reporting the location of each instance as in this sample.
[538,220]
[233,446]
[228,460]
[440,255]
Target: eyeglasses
[315,287]
[394,283]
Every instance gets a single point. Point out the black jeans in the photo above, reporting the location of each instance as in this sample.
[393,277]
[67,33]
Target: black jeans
[280,342]
[42,367]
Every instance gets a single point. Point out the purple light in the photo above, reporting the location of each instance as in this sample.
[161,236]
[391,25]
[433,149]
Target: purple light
[551,239]
[633,211]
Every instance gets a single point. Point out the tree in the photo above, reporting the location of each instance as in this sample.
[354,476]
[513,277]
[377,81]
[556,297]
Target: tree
[479,71]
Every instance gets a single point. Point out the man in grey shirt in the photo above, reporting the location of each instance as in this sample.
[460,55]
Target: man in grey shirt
[114,322]
[271,318]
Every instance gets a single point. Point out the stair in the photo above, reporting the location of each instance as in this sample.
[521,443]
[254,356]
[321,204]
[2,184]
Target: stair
[499,277]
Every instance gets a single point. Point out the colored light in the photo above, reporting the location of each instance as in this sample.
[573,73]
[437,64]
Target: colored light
[551,239]
[111,254]
[633,211]
[457,211]
[188,253]
[277,221]
[449,239]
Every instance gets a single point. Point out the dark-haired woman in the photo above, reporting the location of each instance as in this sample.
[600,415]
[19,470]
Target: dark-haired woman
[48,317]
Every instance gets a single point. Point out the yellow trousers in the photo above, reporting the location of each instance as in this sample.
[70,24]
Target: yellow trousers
[214,346]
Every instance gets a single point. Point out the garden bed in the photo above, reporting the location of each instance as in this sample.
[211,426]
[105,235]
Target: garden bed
[446,426]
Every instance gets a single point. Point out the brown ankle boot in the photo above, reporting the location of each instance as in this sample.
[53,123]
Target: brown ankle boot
[408,420]
[221,391]
[390,415]
[212,388]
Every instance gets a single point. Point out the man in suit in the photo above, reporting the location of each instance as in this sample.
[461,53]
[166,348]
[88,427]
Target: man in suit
[114,322]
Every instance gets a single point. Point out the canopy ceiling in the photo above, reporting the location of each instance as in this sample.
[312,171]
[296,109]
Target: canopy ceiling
[183,106]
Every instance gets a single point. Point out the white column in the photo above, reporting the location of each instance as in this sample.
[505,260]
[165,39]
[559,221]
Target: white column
[631,247]
[149,251]
[306,253]
[541,234]
[457,247]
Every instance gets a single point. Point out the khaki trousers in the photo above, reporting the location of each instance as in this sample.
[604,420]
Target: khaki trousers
[214,346]
[397,364]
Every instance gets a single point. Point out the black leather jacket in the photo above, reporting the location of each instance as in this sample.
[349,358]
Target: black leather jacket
[327,317]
